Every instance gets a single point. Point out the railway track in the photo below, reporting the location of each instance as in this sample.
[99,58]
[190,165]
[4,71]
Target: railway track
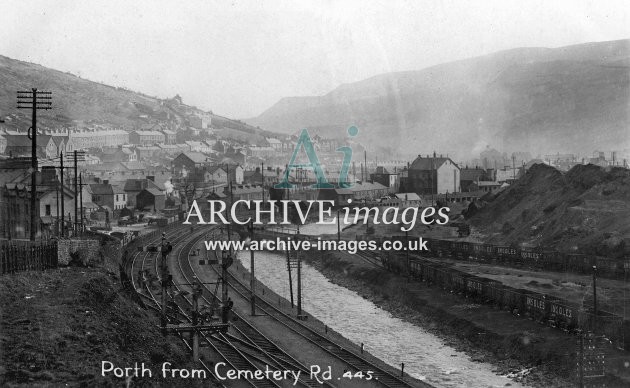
[352,359]
[144,293]
[258,347]
[223,345]
[247,347]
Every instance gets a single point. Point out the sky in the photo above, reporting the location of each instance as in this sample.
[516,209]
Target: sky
[238,58]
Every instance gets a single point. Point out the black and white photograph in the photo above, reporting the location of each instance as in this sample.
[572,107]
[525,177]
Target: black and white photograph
[315,193]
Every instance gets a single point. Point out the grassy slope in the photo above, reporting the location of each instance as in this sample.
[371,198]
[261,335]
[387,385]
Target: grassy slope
[57,326]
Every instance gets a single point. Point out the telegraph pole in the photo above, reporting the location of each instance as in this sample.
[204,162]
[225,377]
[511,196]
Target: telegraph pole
[57,192]
[63,197]
[366,168]
[81,200]
[290,277]
[338,226]
[299,280]
[595,299]
[76,199]
[31,100]
[513,167]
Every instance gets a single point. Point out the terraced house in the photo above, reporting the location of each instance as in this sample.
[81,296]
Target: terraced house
[146,138]
[83,140]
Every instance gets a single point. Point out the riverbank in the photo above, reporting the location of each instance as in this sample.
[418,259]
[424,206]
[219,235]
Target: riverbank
[522,349]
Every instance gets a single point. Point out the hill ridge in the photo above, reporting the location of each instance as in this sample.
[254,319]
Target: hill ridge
[521,98]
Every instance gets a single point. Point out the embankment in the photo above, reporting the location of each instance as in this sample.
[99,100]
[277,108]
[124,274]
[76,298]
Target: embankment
[58,325]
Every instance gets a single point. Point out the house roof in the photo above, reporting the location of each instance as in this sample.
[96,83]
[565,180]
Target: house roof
[366,186]
[343,191]
[42,140]
[135,165]
[236,190]
[408,196]
[382,170]
[101,189]
[216,194]
[132,185]
[250,173]
[471,174]
[58,140]
[429,163]
[168,146]
[18,141]
[149,133]
[195,157]
[214,168]
[107,166]
[487,183]
[153,191]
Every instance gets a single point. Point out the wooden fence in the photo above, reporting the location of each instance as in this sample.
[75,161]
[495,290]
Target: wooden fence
[18,255]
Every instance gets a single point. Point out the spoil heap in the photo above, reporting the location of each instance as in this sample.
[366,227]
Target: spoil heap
[586,210]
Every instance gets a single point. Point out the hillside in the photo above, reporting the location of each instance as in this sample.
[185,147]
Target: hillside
[586,209]
[80,100]
[568,99]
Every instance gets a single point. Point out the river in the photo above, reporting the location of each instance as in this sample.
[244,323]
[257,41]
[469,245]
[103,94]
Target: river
[391,339]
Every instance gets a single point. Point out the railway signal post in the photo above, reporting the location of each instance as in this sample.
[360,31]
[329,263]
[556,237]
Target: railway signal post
[252,277]
[166,248]
[226,261]
[197,292]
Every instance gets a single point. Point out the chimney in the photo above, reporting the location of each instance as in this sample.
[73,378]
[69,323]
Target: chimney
[105,181]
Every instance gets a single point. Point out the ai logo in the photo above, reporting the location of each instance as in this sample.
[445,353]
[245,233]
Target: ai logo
[314,164]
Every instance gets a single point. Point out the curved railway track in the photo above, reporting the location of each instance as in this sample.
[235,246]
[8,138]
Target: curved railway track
[280,358]
[227,346]
[130,266]
[246,347]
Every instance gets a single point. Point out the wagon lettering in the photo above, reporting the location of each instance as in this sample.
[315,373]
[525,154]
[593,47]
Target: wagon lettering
[506,251]
[539,304]
[530,255]
[474,286]
[561,310]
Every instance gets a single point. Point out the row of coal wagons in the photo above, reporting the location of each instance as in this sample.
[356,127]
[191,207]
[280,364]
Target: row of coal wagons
[539,307]
[544,259]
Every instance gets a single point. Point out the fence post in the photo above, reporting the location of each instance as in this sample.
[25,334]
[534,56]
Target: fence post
[2,258]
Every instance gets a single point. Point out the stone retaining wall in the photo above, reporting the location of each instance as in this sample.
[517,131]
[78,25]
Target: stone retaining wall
[88,251]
